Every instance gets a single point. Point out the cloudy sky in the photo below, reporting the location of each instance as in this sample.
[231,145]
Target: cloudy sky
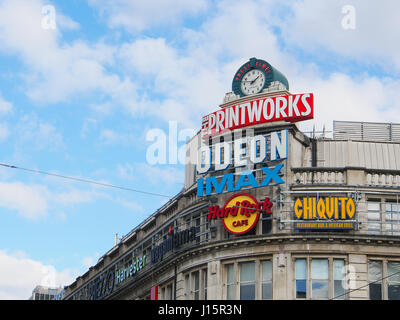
[82,83]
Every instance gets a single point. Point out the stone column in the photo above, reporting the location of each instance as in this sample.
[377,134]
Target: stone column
[214,281]
[358,263]
[282,273]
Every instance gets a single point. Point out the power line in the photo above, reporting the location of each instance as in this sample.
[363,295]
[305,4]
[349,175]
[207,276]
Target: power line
[84,180]
[379,280]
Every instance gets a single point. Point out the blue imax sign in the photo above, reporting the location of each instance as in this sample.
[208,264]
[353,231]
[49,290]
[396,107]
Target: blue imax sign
[245,150]
[246,179]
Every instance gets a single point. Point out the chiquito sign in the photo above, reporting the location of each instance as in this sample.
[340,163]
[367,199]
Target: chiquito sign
[324,213]
[240,213]
[246,152]
[290,108]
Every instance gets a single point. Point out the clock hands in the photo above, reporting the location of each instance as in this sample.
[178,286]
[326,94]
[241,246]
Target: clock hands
[254,85]
[251,82]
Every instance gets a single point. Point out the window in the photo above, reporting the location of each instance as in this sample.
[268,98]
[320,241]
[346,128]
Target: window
[393,271]
[247,281]
[319,278]
[301,278]
[204,275]
[230,281]
[197,225]
[196,285]
[375,280]
[266,279]
[187,287]
[374,216]
[338,277]
[392,218]
[384,280]
[266,223]
[169,292]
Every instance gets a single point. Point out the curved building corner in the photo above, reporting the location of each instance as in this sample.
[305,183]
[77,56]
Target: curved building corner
[267,211]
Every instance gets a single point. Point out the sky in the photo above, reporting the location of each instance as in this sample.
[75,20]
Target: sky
[87,85]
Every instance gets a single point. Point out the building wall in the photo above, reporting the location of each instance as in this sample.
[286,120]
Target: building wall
[197,269]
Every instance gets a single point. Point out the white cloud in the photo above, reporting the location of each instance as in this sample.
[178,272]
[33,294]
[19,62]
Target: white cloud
[39,134]
[140,15]
[314,25]
[184,86]
[183,82]
[19,275]
[185,79]
[34,201]
[192,80]
[65,22]
[343,97]
[5,106]
[56,71]
[28,200]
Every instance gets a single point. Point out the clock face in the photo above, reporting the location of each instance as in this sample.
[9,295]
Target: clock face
[252,82]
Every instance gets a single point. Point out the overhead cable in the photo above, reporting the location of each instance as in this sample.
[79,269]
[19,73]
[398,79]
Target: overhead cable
[84,180]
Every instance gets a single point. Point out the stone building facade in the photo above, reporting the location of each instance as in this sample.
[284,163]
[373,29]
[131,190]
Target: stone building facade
[334,230]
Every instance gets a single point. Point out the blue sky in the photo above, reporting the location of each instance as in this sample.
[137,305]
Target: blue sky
[80,99]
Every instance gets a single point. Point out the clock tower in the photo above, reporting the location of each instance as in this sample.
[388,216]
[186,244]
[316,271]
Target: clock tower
[255,76]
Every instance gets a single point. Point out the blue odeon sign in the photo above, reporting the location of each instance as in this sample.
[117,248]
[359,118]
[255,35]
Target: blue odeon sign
[246,151]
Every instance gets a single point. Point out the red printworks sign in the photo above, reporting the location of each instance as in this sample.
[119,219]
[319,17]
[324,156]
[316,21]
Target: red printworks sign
[291,108]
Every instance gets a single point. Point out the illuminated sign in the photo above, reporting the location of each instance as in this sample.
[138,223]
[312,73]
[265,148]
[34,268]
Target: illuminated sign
[246,179]
[122,275]
[176,240]
[324,213]
[290,108]
[98,288]
[240,212]
[246,151]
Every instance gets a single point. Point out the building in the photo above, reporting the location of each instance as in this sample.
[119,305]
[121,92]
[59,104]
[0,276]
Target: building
[267,212]
[45,293]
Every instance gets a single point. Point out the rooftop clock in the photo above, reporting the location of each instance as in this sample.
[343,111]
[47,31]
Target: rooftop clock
[254,76]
